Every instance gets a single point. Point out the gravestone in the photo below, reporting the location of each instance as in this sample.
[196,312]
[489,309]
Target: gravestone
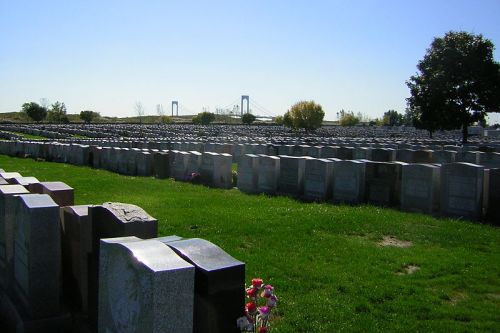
[420,188]
[291,175]
[444,156]
[180,169]
[349,181]
[61,193]
[269,170]
[144,286]
[493,196]
[161,164]
[25,181]
[219,285]
[462,190]
[383,182]
[216,170]
[345,153]
[7,220]
[144,164]
[112,219]
[405,155]
[9,176]
[194,162]
[383,154]
[248,173]
[318,179]
[423,156]
[362,153]
[37,255]
[76,247]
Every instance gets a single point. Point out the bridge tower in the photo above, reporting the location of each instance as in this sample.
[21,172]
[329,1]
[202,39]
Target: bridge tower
[176,103]
[245,98]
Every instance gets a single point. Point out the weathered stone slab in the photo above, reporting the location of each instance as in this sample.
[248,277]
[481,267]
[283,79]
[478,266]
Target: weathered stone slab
[144,163]
[144,286]
[113,219]
[383,154]
[9,176]
[493,196]
[444,156]
[420,184]
[24,181]
[219,285]
[462,190]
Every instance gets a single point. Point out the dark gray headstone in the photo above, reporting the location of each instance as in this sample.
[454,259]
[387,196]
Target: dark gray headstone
[219,285]
[60,192]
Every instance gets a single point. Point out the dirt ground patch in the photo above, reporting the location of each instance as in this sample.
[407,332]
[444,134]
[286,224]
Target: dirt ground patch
[393,241]
[409,269]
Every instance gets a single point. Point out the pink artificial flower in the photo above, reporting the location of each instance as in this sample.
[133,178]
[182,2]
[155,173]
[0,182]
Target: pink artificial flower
[257,283]
[263,329]
[271,301]
[268,291]
[264,311]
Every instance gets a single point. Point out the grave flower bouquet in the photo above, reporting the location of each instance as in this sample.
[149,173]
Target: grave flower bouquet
[261,301]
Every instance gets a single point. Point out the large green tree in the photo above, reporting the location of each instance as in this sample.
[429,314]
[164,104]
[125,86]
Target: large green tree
[392,118]
[305,114]
[248,118]
[457,84]
[34,111]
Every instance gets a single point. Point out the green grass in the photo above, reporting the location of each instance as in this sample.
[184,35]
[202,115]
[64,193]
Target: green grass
[323,259]
[29,136]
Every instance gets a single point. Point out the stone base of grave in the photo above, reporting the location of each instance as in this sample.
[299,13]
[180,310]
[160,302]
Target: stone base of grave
[14,321]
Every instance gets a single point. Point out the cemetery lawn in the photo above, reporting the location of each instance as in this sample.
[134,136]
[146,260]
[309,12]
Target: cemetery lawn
[324,260]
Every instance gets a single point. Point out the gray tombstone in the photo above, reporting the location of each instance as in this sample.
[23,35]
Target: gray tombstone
[7,229]
[76,244]
[9,176]
[112,219]
[180,170]
[383,154]
[318,179]
[349,181]
[248,173]
[24,181]
[219,285]
[37,255]
[194,162]
[420,188]
[269,170]
[462,190]
[144,286]
[60,192]
[291,176]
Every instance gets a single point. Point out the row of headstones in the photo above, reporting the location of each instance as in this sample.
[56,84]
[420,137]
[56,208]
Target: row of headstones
[454,189]
[214,169]
[91,155]
[101,267]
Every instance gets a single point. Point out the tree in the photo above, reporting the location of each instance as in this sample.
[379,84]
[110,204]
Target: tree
[458,83]
[57,113]
[203,118]
[305,114]
[278,120]
[34,111]
[392,118]
[139,110]
[248,118]
[347,118]
[87,116]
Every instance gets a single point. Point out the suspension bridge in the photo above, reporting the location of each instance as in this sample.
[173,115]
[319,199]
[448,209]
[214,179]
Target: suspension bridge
[237,108]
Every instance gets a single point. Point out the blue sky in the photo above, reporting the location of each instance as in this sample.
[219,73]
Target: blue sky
[106,55]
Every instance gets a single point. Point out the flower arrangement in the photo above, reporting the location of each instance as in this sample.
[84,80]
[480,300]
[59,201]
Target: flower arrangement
[262,301]
[193,177]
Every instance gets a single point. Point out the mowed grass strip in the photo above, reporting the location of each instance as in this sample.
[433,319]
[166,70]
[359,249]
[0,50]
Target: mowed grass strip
[325,261]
